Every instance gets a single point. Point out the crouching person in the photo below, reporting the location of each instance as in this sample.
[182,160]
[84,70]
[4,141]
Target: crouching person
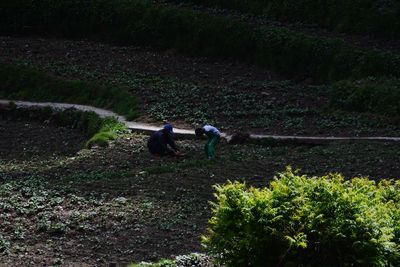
[213,137]
[161,143]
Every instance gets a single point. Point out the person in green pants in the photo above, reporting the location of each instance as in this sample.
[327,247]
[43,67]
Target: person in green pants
[213,137]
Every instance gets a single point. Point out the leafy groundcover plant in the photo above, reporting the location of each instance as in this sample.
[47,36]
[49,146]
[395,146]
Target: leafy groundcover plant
[306,221]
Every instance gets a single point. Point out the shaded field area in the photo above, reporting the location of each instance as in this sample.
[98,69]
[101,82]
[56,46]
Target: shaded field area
[120,204]
[188,91]
[25,139]
[266,13]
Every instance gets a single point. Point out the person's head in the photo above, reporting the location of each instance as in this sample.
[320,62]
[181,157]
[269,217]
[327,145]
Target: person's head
[168,127]
[199,132]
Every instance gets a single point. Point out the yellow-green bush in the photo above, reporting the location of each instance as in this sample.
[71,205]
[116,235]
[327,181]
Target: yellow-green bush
[306,221]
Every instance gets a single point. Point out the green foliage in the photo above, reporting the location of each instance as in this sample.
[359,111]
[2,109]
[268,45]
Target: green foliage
[109,130]
[24,83]
[193,259]
[381,96]
[306,221]
[379,18]
[161,263]
[33,207]
[197,33]
[4,245]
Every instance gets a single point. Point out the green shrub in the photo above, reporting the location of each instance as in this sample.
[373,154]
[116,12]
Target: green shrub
[101,139]
[196,33]
[24,83]
[380,96]
[306,221]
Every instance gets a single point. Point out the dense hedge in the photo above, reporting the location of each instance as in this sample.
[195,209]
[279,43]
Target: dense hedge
[379,96]
[23,83]
[379,18]
[138,22]
[307,221]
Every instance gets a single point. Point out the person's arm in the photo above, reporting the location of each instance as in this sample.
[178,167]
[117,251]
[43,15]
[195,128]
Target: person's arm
[171,142]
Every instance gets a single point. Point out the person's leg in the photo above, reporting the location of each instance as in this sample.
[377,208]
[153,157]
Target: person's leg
[152,149]
[156,149]
[206,147]
[212,147]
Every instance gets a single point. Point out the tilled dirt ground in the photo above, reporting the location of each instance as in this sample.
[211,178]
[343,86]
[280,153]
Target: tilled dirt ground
[172,87]
[120,204]
[25,139]
[100,56]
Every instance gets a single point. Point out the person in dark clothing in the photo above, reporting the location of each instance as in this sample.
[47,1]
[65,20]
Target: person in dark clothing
[162,143]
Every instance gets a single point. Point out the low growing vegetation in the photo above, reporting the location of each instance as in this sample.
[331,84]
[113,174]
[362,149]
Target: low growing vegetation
[194,259]
[108,129]
[381,96]
[306,221]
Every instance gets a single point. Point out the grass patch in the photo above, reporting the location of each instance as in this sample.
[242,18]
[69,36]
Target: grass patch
[110,129]
[23,83]
[197,33]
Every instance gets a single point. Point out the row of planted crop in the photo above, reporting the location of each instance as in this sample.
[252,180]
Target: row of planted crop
[372,17]
[192,32]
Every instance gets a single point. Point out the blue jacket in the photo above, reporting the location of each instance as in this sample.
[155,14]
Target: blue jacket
[159,141]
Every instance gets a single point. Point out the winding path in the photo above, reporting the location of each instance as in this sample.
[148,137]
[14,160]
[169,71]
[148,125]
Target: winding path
[146,127]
